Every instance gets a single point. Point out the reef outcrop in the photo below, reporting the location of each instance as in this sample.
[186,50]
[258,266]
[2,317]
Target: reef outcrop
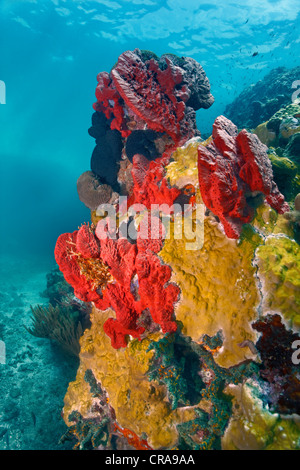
[263,99]
[282,133]
[146,105]
[191,272]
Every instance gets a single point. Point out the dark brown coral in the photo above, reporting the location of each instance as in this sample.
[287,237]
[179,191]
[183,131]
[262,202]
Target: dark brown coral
[275,347]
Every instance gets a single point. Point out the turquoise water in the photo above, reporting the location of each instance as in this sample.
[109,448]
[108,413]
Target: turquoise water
[50,54]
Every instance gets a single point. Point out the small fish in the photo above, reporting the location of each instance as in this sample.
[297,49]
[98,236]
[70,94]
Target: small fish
[254,54]
[246,21]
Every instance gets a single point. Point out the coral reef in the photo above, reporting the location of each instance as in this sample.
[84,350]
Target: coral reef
[158,91]
[294,217]
[146,105]
[254,427]
[282,133]
[284,123]
[102,270]
[150,185]
[138,404]
[90,433]
[234,169]
[263,99]
[278,262]
[191,375]
[193,277]
[285,174]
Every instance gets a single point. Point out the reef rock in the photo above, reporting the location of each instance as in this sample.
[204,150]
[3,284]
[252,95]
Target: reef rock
[146,105]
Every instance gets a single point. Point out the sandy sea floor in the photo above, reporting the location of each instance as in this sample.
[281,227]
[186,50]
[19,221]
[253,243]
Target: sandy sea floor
[34,374]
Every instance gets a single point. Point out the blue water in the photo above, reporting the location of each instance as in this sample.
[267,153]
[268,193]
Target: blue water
[50,54]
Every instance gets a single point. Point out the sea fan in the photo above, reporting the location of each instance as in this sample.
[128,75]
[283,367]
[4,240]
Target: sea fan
[59,324]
